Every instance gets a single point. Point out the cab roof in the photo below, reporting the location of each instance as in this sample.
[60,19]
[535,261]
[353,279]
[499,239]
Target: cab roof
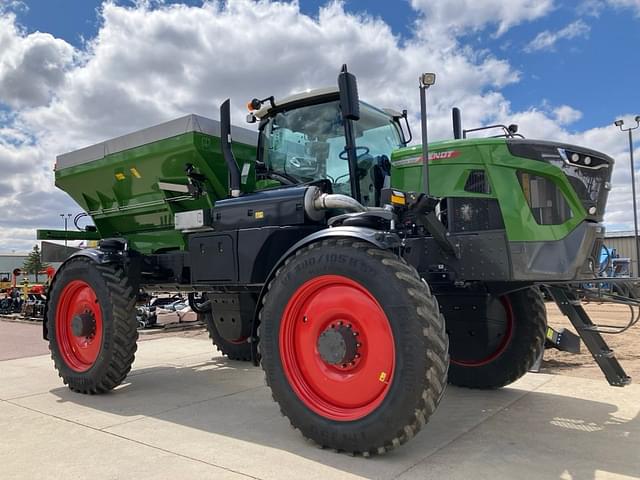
[295,98]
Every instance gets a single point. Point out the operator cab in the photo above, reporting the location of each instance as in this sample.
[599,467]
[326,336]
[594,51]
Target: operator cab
[302,140]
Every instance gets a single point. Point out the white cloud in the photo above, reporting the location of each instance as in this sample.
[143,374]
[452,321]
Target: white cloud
[566,115]
[460,16]
[595,7]
[632,4]
[31,66]
[148,65]
[547,40]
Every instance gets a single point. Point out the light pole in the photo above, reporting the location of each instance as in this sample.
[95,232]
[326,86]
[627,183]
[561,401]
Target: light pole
[66,220]
[619,123]
[425,81]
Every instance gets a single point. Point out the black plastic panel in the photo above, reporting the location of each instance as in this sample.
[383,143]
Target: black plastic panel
[260,248]
[482,257]
[473,214]
[477,182]
[213,257]
[565,259]
[284,206]
[233,313]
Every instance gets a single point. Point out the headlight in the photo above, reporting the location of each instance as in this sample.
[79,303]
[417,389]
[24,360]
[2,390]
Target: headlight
[576,159]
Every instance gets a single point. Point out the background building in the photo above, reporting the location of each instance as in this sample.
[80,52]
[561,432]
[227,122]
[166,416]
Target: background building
[11,261]
[624,243]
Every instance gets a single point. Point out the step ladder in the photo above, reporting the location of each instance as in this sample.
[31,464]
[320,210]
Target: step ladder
[570,305]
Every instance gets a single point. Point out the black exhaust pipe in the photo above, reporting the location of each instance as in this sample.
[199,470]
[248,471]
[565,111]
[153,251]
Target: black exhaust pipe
[457,123]
[227,153]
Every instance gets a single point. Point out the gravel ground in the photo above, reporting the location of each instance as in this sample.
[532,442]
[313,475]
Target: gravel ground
[625,345]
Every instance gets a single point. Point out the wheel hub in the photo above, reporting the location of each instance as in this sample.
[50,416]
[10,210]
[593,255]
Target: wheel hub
[83,324]
[338,345]
[328,327]
[78,325]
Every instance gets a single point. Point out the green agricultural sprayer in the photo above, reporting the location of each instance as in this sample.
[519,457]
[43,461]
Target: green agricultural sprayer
[364,274]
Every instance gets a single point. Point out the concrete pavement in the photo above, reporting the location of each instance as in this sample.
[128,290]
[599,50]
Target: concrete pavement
[185,412]
[19,340]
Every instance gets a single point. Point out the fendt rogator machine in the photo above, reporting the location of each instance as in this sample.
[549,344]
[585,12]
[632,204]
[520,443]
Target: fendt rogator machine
[361,272]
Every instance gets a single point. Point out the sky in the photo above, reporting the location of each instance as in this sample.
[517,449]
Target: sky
[76,72]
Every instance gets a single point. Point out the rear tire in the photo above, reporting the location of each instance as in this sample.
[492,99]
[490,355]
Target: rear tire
[240,351]
[521,348]
[377,391]
[92,325]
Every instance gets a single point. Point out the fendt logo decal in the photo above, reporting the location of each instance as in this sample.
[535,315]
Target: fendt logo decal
[447,154]
[444,155]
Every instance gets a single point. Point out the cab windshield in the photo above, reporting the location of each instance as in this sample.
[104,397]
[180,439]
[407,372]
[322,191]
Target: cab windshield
[308,143]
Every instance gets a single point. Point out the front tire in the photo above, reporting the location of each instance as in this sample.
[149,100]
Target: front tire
[92,325]
[522,340]
[353,346]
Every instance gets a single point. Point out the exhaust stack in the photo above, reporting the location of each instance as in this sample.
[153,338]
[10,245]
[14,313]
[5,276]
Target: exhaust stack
[227,153]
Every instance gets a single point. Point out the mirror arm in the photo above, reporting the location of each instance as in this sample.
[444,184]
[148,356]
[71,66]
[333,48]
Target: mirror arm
[406,121]
[349,105]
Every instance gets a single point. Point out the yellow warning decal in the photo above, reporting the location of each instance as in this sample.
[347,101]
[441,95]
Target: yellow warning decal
[120,176]
[258,215]
[550,333]
[135,172]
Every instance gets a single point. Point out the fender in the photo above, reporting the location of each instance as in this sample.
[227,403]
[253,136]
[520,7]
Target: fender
[99,256]
[384,240]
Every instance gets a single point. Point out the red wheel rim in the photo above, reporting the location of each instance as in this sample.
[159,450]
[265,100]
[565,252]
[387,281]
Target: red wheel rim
[503,344]
[79,352]
[337,391]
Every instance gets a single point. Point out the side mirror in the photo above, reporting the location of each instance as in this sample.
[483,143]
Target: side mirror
[349,101]
[513,128]
[457,123]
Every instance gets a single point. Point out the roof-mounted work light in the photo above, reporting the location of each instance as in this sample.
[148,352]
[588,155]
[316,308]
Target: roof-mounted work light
[427,79]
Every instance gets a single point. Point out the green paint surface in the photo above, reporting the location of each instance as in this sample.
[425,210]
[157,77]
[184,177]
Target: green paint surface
[450,168]
[121,192]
